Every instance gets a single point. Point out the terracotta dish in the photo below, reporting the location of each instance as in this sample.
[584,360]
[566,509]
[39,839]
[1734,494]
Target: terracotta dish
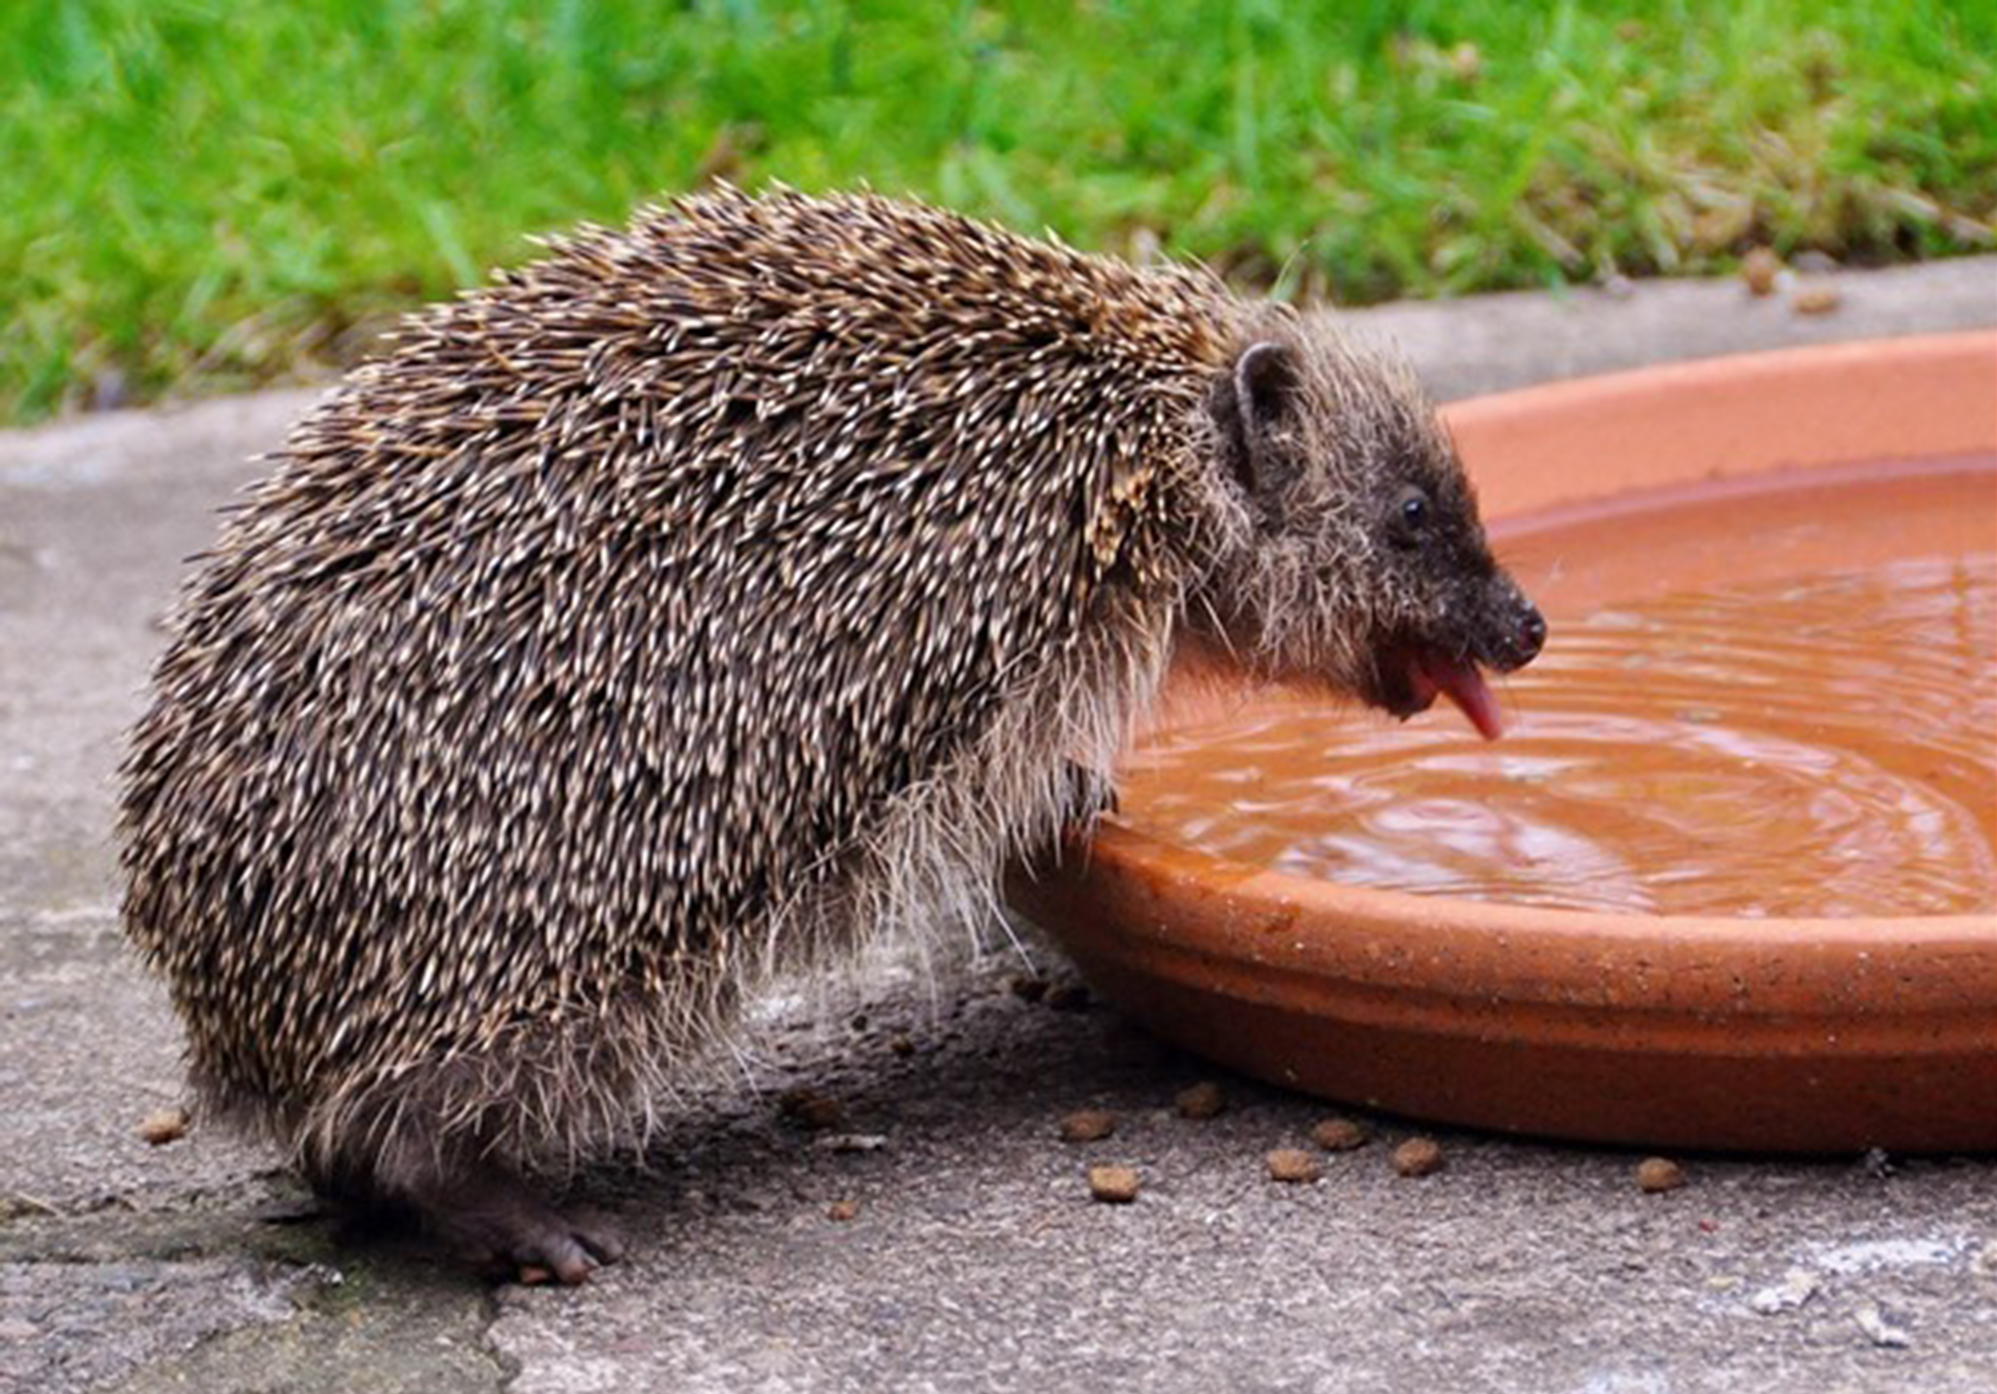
[1820,1035]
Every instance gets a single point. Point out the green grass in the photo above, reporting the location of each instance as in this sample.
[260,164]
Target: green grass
[200,195]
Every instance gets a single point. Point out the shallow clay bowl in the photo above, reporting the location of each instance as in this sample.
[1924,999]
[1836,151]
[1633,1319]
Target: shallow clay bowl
[1817,1035]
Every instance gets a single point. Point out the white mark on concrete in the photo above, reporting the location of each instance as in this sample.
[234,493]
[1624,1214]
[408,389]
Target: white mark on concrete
[1871,1255]
[851,1142]
[1877,1329]
[1623,1382]
[1798,1286]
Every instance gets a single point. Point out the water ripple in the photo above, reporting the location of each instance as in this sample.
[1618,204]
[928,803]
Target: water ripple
[1822,745]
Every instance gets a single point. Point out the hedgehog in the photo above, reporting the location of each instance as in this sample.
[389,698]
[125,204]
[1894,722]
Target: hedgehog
[698,600]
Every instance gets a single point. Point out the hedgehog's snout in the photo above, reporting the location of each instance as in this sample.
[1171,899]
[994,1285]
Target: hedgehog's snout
[1514,631]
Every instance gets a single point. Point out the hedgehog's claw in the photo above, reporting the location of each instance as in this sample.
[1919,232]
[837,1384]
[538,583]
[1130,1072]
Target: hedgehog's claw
[495,1215]
[566,1250]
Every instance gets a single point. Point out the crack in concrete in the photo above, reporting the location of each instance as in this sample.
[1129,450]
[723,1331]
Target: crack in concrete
[507,1368]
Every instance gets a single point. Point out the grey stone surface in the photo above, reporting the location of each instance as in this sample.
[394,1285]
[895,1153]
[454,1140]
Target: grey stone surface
[80,1325]
[975,1259]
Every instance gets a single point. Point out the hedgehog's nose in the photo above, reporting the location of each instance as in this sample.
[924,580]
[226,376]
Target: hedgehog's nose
[1520,637]
[1532,634]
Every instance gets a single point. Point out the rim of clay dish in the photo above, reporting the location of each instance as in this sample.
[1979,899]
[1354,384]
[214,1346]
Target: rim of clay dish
[1751,414]
[1795,1035]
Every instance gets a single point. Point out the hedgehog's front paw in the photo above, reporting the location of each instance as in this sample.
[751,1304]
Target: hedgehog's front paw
[494,1217]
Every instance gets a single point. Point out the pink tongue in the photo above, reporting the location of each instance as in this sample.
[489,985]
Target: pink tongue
[1465,686]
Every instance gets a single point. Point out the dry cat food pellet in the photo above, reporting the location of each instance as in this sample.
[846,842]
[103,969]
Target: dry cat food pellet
[164,1125]
[1759,268]
[1088,1125]
[1418,1156]
[1292,1164]
[1339,1135]
[902,1046]
[1815,300]
[842,1210]
[1655,1174]
[810,1109]
[1203,1100]
[1113,1185]
[1029,989]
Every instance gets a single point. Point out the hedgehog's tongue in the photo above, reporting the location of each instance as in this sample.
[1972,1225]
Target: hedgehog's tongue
[1432,671]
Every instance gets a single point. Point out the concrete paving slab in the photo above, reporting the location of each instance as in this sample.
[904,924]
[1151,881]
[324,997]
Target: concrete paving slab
[1512,340]
[973,1258]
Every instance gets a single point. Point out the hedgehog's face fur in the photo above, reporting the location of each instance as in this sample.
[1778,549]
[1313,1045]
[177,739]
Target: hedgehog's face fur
[1355,558]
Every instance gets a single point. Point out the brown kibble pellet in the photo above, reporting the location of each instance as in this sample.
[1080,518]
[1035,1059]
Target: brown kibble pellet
[1815,300]
[1418,1156]
[1113,1185]
[902,1046]
[1292,1164]
[1656,1174]
[842,1210]
[810,1109]
[1340,1135]
[1759,269]
[1202,1100]
[164,1125]
[1028,989]
[1088,1125]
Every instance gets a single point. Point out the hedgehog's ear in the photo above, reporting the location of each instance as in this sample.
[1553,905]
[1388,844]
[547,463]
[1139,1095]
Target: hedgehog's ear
[1254,400]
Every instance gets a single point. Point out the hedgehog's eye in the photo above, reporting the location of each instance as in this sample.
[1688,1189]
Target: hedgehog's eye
[1411,515]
